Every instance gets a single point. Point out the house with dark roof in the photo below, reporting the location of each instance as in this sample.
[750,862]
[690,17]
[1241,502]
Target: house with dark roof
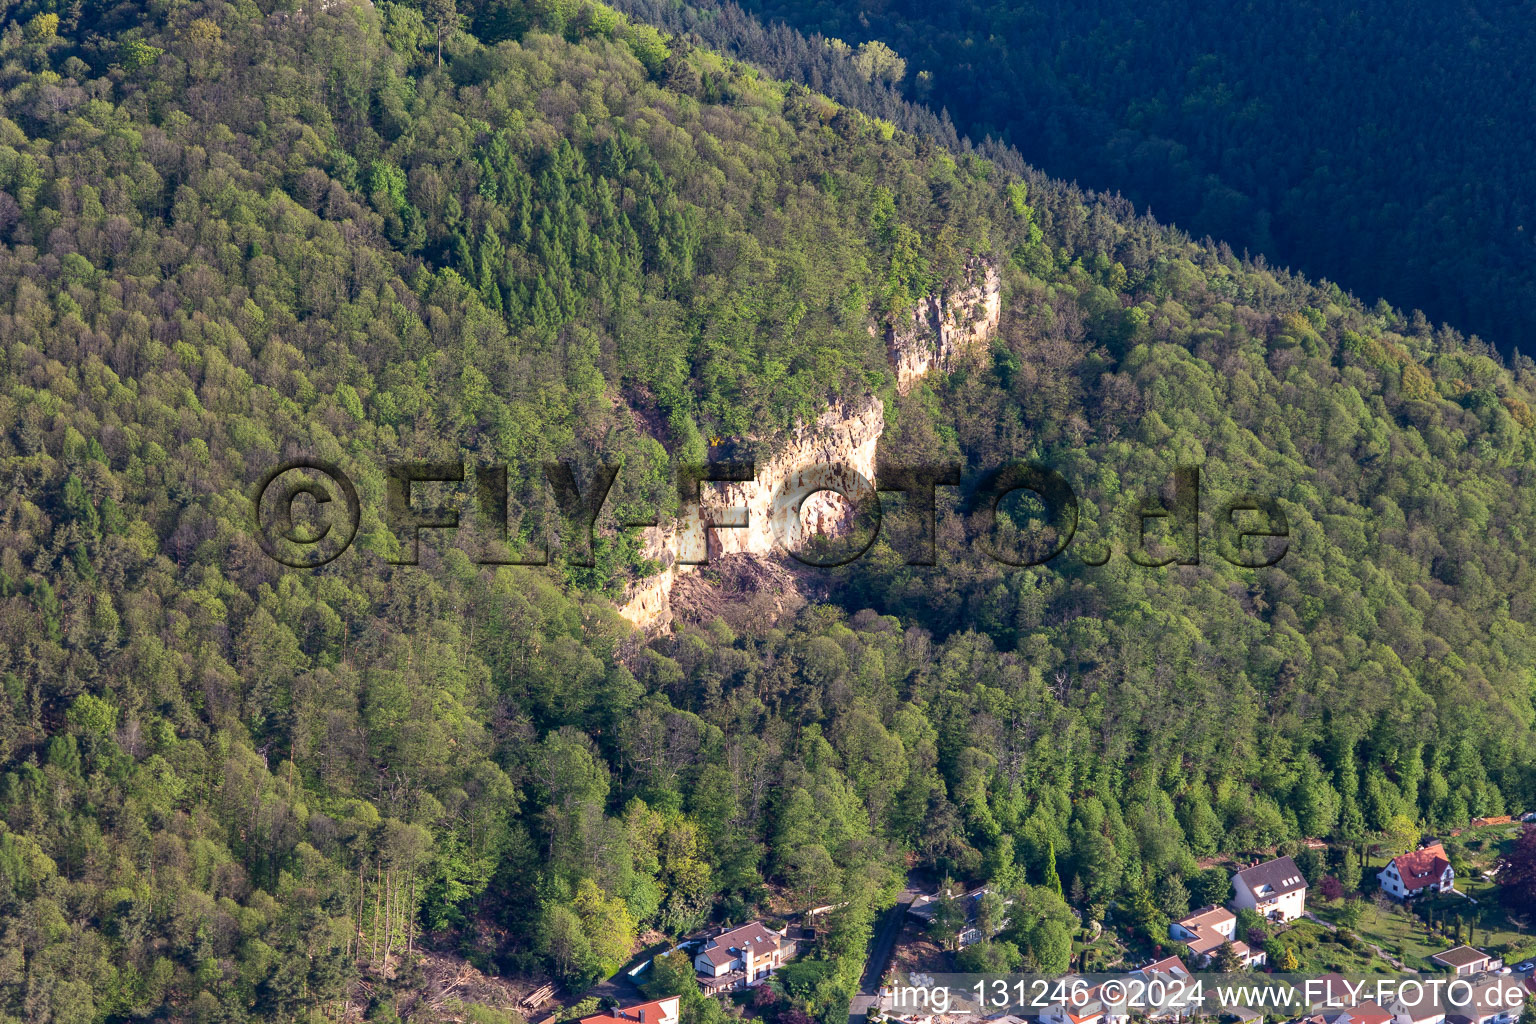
[742,957]
[1416,1011]
[926,908]
[1465,961]
[1274,889]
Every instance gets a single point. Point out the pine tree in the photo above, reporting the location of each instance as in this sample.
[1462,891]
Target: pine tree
[1052,879]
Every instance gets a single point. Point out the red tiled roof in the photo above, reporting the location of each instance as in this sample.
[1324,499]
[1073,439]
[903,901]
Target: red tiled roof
[641,1013]
[1207,915]
[754,933]
[1167,965]
[1421,867]
[1203,923]
[1364,1013]
[1368,1013]
[1091,1008]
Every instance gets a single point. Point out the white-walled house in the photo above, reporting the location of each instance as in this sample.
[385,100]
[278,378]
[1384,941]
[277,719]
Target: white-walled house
[657,1011]
[1424,870]
[742,957]
[1275,890]
[1207,930]
[1087,1009]
[1420,1011]
[1172,1000]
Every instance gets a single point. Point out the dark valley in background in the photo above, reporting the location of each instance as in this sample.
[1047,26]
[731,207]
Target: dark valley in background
[1385,146]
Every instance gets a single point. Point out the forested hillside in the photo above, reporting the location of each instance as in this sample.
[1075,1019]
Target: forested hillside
[232,235]
[1368,143]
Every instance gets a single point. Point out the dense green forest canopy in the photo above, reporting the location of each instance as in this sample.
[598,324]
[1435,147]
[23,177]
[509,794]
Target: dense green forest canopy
[1377,144]
[232,233]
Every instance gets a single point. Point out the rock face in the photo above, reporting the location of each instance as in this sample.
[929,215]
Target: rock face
[790,496]
[785,503]
[945,326]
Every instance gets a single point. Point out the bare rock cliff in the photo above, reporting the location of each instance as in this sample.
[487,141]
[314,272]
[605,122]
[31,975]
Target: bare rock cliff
[946,326]
[791,496]
[787,501]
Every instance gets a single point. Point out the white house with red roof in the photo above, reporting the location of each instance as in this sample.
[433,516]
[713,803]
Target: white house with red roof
[1411,874]
[1180,1002]
[657,1011]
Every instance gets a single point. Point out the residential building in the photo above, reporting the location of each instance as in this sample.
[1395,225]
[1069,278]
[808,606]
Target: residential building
[657,1011]
[742,957]
[1275,889]
[1207,930]
[1171,966]
[1178,1002]
[1489,1003]
[1361,1013]
[1089,1009]
[1421,1012]
[1424,870]
[926,908]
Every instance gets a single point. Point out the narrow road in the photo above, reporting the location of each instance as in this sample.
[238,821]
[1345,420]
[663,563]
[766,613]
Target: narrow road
[621,986]
[881,945]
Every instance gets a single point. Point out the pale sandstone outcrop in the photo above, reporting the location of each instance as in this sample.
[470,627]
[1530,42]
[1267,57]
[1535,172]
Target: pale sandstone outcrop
[782,505]
[945,326]
[778,506]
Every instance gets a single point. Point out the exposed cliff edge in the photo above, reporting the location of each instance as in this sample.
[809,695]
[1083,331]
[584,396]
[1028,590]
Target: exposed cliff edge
[784,504]
[779,509]
[945,326]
